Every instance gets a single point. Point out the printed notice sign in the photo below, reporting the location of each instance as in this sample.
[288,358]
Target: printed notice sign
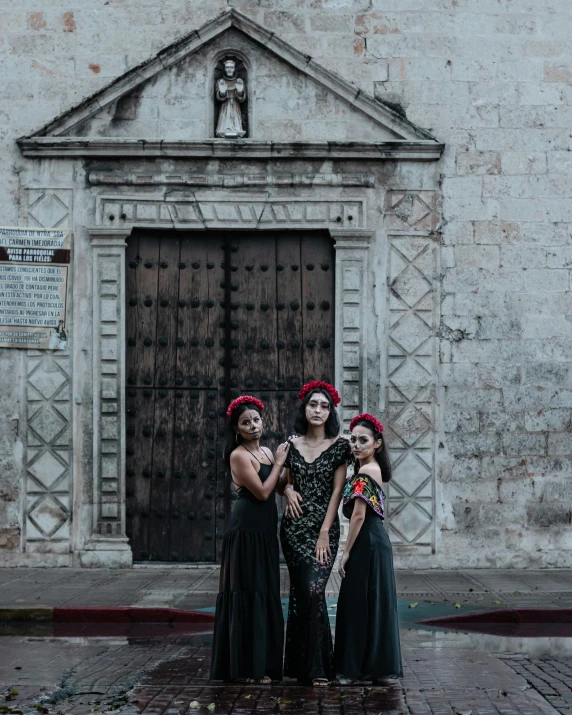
[34,269]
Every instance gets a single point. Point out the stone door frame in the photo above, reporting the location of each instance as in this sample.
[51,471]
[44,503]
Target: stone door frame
[106,543]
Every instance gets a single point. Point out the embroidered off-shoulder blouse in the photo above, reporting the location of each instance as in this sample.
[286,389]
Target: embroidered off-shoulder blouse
[362,486]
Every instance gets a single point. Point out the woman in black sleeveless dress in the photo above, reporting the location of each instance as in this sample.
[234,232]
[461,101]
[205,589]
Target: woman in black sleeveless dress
[249,627]
[310,531]
[367,627]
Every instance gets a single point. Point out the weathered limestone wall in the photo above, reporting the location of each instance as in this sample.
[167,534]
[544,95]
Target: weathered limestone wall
[492,79]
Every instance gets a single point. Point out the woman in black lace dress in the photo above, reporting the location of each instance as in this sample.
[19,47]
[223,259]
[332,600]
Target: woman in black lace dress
[310,531]
[249,627]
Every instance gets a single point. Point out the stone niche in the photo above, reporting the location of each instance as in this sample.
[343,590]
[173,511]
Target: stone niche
[142,153]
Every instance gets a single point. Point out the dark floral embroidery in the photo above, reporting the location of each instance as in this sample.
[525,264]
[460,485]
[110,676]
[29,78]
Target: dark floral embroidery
[362,486]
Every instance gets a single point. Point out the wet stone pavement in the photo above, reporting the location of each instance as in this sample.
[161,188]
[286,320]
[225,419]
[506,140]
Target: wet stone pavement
[157,671]
[444,674]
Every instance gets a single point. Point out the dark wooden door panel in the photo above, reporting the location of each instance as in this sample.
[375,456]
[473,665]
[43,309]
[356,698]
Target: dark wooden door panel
[317,300]
[289,311]
[139,471]
[211,316]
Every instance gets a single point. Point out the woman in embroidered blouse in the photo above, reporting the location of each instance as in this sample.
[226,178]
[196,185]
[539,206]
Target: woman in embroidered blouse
[367,629]
[310,531]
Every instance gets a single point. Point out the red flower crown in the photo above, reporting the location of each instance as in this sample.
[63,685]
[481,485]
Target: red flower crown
[366,417]
[241,400]
[318,385]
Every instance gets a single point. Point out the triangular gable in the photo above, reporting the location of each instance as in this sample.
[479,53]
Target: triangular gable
[393,128]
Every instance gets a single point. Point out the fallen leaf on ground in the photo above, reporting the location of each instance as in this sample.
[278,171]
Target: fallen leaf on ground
[247,697]
[211,707]
[480,598]
[457,605]
[497,601]
[195,705]
[414,605]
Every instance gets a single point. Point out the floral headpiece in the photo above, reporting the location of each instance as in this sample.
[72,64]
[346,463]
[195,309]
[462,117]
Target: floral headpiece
[241,400]
[318,385]
[366,417]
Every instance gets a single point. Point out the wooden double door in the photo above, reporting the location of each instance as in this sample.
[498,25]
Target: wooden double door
[209,317]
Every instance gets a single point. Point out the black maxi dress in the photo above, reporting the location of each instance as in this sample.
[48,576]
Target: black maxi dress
[367,626]
[309,647]
[249,627]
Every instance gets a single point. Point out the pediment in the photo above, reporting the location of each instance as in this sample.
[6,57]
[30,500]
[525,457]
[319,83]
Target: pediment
[294,106]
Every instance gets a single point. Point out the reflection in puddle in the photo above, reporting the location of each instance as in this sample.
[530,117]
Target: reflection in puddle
[538,646]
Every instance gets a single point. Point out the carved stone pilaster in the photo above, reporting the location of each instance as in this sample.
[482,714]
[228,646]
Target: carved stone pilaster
[108,255]
[350,359]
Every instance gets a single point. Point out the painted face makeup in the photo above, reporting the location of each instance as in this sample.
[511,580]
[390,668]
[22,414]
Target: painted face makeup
[250,425]
[363,443]
[317,409]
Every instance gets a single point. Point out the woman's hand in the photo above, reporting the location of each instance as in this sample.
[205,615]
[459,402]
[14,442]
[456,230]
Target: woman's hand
[323,551]
[281,454]
[343,562]
[294,500]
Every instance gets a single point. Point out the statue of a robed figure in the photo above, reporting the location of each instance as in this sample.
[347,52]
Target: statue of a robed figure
[230,91]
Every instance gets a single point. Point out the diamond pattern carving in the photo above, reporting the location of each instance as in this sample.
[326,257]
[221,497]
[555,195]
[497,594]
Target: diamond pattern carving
[47,424]
[411,358]
[48,516]
[418,210]
[49,208]
[46,470]
[48,448]
[48,383]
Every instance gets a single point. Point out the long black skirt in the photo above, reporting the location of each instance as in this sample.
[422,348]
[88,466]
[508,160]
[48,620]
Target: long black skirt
[367,627]
[249,626]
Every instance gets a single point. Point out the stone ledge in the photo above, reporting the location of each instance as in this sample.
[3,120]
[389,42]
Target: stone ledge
[221,148]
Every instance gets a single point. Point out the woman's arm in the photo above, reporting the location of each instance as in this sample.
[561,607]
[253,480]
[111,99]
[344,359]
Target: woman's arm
[323,551]
[356,522]
[247,477]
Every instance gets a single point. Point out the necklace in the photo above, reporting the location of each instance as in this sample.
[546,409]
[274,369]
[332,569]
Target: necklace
[313,446]
[254,455]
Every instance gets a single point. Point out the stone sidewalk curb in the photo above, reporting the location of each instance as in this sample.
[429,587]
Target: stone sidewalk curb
[505,615]
[95,614]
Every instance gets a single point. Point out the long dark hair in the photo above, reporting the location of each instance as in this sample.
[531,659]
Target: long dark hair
[234,440]
[332,425]
[381,455]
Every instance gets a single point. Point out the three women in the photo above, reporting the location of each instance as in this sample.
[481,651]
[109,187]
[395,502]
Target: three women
[311,468]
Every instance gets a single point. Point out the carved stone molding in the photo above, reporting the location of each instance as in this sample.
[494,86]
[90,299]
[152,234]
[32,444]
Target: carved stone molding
[413,305]
[48,484]
[108,251]
[131,178]
[231,212]
[350,358]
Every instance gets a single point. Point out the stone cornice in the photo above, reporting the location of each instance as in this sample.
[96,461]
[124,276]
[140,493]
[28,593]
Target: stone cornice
[245,149]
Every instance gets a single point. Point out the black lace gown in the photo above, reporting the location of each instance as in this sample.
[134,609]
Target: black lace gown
[309,646]
[249,628]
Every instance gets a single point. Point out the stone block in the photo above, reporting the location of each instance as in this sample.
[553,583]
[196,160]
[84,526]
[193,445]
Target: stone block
[478,163]
[548,515]
[473,443]
[10,538]
[524,444]
[560,443]
[501,421]
[548,420]
[520,162]
[460,421]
